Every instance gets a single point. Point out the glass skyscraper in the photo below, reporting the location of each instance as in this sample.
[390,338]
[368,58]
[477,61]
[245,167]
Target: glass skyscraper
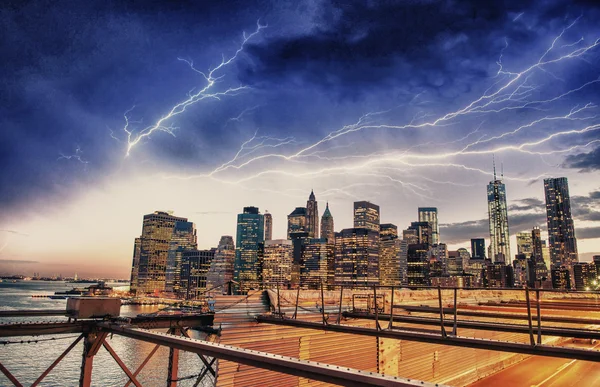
[221,268]
[389,255]
[561,232]
[182,239]
[296,222]
[366,215]
[249,241]
[357,257]
[498,218]
[430,214]
[277,263]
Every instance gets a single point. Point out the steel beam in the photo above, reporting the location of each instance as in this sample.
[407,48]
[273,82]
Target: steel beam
[43,328]
[58,359]
[10,376]
[121,364]
[141,366]
[91,345]
[33,313]
[493,345]
[487,326]
[308,369]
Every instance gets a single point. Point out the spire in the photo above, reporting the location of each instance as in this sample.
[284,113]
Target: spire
[327,214]
[494,164]
[312,195]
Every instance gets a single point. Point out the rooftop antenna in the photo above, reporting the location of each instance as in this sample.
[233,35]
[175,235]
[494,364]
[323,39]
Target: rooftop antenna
[494,164]
[501,171]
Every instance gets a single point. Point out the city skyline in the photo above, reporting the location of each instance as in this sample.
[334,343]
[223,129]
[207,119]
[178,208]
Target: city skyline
[122,110]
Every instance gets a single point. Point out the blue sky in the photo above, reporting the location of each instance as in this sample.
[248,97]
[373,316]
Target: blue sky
[356,100]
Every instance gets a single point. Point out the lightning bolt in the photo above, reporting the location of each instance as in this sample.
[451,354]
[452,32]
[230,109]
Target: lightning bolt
[211,78]
[75,156]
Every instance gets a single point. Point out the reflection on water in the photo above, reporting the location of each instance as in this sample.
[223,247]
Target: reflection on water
[28,361]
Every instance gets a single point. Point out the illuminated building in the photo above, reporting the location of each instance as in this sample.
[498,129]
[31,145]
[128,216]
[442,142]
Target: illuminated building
[520,271]
[268,226]
[499,275]
[585,275]
[277,263]
[195,265]
[182,239]
[498,219]
[221,268]
[317,264]
[410,236]
[461,281]
[151,251]
[312,216]
[296,222]
[327,230]
[403,261]
[477,269]
[249,242]
[417,265]
[454,264]
[439,253]
[524,244]
[537,255]
[430,214]
[561,277]
[366,215]
[478,248]
[423,232]
[357,257]
[389,255]
[561,232]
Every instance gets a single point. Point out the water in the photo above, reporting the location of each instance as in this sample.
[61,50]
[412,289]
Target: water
[26,361]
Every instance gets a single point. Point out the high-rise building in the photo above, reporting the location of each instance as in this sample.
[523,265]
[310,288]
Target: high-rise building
[312,216]
[357,257]
[498,218]
[585,276]
[423,232]
[537,255]
[151,251]
[195,265]
[296,222]
[221,267]
[417,264]
[524,244]
[268,226]
[277,263]
[366,215]
[182,239]
[478,248]
[403,261]
[430,214]
[410,236]
[317,264]
[561,277]
[561,232]
[248,246]
[389,255]
[327,230]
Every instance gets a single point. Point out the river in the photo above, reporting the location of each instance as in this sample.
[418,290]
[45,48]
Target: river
[26,361]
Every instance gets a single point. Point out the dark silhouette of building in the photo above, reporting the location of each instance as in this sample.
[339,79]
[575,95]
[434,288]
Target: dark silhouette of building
[561,232]
[478,248]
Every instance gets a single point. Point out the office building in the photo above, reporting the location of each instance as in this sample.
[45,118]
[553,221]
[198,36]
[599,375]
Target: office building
[268,226]
[366,215]
[389,255]
[317,265]
[248,249]
[277,264]
[296,222]
[151,251]
[585,276]
[478,248]
[524,244]
[430,214]
[327,230]
[498,221]
[312,216]
[221,268]
[195,265]
[182,239]
[561,277]
[561,232]
[357,257]
[423,232]
[417,265]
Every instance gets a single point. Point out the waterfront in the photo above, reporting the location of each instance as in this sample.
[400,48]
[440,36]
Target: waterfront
[28,360]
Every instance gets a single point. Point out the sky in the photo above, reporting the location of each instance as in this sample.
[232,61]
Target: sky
[110,110]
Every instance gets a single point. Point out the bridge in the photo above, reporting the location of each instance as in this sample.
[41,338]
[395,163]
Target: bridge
[344,336]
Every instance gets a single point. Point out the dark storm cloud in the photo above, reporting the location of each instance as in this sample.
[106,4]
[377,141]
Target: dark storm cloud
[587,232]
[585,162]
[527,204]
[367,44]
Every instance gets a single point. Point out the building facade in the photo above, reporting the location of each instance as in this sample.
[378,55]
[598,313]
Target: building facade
[327,230]
[195,265]
[248,249]
[268,226]
[317,267]
[221,268]
[478,248]
[561,232]
[277,264]
[357,257]
[183,239]
[296,222]
[312,216]
[366,215]
[430,214]
[389,255]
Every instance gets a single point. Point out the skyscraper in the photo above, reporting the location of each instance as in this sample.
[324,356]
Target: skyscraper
[312,216]
[296,222]
[498,217]
[182,239]
[366,215]
[317,263]
[561,232]
[389,255]
[268,226]
[477,248]
[430,214]
[151,252]
[327,230]
[356,257]
[277,263]
[422,231]
[221,267]
[524,244]
[195,265]
[249,242]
